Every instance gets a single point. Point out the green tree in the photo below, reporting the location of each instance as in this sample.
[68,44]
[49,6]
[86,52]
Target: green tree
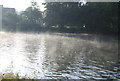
[89,17]
[31,18]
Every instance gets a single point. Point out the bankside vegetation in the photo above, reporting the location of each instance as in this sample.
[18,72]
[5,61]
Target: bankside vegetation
[72,17]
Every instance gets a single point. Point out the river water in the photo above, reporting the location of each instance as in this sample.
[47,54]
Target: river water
[59,56]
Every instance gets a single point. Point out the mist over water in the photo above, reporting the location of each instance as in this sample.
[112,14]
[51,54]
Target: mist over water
[58,56]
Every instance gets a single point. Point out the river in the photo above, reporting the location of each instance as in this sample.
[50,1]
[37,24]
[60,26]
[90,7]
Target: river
[59,56]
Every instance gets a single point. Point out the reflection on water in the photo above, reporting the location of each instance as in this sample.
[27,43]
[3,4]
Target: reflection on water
[45,56]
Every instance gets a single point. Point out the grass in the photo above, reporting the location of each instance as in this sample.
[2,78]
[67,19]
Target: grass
[13,77]
[10,76]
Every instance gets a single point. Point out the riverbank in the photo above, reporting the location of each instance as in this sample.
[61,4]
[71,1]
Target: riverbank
[13,77]
[9,76]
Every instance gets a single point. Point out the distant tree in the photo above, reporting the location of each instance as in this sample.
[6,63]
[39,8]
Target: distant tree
[31,18]
[100,17]
[89,17]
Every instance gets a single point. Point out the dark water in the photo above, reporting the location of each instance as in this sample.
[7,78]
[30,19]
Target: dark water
[69,56]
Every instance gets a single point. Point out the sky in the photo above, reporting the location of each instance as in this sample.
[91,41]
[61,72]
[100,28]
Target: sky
[20,5]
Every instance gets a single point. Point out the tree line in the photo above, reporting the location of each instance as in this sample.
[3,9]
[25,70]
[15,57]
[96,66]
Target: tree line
[72,17]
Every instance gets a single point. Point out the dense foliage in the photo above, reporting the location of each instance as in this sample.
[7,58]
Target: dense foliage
[30,19]
[78,17]
[68,17]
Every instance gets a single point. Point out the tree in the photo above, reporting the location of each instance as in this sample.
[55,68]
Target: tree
[89,17]
[31,18]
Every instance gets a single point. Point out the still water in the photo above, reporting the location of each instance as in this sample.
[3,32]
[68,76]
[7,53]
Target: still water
[59,56]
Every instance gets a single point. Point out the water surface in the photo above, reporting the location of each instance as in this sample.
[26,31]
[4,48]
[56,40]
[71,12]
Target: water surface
[58,56]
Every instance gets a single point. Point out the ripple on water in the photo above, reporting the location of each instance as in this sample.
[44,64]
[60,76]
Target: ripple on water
[56,57]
